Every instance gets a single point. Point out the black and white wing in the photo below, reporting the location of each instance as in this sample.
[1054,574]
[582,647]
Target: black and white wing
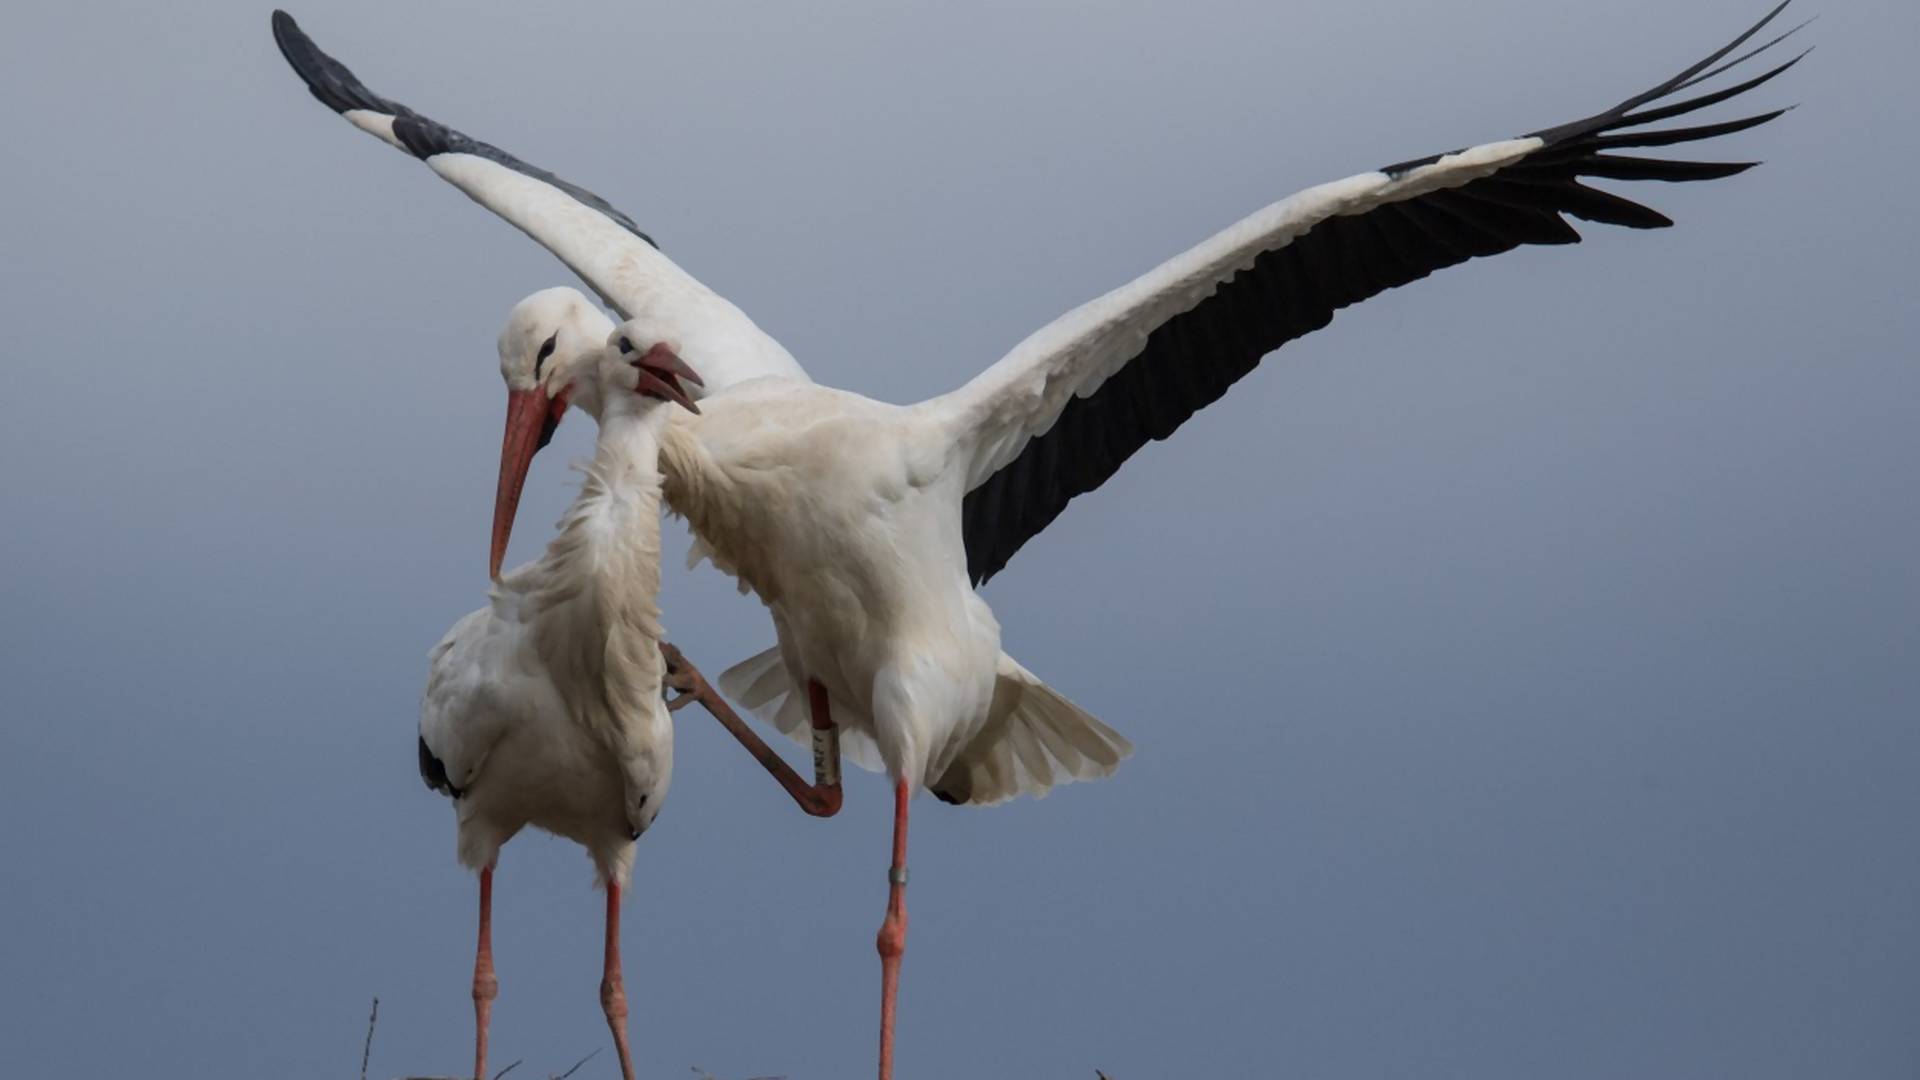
[461,714]
[602,245]
[1059,414]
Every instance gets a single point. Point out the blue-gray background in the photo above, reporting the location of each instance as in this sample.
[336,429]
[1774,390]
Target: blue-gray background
[1522,671]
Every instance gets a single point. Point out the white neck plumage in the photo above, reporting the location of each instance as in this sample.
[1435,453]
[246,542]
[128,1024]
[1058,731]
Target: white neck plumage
[595,592]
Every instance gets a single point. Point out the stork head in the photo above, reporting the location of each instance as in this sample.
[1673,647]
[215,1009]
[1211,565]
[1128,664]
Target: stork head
[557,351]
[649,369]
[548,356]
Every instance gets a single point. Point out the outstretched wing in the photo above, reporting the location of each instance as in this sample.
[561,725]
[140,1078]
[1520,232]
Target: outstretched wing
[1059,414]
[602,245]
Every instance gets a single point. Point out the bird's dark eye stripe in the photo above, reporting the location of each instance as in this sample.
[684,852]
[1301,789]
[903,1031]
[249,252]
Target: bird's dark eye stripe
[546,350]
[626,345]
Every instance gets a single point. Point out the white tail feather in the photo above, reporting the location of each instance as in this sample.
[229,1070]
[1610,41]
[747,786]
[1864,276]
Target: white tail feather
[1033,740]
[760,685]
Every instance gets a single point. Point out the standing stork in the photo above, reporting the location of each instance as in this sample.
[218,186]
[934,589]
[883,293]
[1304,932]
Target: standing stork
[865,527]
[544,708]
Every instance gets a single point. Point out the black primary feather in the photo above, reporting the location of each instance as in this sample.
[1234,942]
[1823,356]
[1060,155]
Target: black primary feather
[434,772]
[1191,359]
[340,90]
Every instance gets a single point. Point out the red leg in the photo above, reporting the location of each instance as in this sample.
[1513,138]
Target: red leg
[820,798]
[613,992]
[485,986]
[892,940]
[826,747]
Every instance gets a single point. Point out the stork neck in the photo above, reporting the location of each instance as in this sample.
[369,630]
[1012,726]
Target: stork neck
[619,521]
[630,434]
[599,583]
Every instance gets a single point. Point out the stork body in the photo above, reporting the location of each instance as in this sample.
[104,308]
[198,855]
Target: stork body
[865,527]
[864,572]
[841,514]
[544,708]
[861,567]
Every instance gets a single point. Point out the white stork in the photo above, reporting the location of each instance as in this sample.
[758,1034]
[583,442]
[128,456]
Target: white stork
[544,708]
[865,526]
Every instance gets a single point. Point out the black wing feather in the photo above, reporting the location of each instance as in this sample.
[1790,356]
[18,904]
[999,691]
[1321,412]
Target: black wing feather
[340,90]
[1191,359]
[434,772]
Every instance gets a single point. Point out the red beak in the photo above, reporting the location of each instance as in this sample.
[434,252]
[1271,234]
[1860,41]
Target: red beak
[661,372]
[531,420]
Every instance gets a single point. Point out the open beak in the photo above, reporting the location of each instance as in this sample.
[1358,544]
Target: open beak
[531,420]
[661,373]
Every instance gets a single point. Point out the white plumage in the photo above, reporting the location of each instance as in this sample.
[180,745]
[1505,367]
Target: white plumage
[777,478]
[866,526]
[1031,739]
[545,707]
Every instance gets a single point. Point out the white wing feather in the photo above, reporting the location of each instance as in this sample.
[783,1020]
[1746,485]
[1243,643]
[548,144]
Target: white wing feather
[596,241]
[631,275]
[999,411]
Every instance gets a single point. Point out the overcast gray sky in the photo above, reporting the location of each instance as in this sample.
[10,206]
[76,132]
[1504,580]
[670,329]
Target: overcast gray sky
[1522,670]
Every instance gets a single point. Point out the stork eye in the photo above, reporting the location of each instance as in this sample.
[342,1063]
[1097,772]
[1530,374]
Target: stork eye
[626,346]
[546,350]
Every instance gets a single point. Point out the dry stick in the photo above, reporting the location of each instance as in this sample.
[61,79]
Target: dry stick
[576,1065]
[515,1065]
[367,1050]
